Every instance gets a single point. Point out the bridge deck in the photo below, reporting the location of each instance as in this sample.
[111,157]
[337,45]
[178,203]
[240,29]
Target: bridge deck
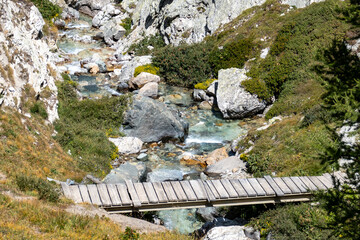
[152,196]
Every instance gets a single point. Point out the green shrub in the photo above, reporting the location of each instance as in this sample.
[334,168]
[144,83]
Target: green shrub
[83,126]
[204,85]
[38,108]
[294,222]
[45,189]
[130,234]
[149,68]
[141,48]
[233,54]
[185,65]
[47,9]
[257,86]
[126,24]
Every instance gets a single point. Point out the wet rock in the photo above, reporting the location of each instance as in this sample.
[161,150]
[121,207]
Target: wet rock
[162,175]
[216,155]
[205,105]
[153,121]
[142,79]
[225,166]
[142,156]
[232,99]
[189,161]
[93,68]
[149,90]
[127,171]
[127,145]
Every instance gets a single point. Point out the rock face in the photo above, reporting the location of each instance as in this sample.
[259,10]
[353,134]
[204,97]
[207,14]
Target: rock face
[232,99]
[127,171]
[26,60]
[224,166]
[186,20]
[127,145]
[153,121]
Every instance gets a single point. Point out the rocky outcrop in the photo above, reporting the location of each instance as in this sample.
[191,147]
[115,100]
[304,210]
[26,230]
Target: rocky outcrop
[127,145]
[26,60]
[153,121]
[232,99]
[186,20]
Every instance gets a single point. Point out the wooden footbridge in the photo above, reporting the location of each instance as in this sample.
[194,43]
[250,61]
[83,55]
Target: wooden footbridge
[153,196]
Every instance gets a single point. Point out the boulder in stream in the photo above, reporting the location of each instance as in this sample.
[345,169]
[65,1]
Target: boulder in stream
[232,99]
[142,79]
[162,175]
[149,90]
[127,171]
[153,121]
[127,145]
[225,166]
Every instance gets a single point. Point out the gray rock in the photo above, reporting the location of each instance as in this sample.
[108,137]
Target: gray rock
[226,233]
[212,89]
[149,90]
[129,64]
[224,166]
[70,13]
[127,145]
[59,23]
[162,175]
[251,233]
[200,95]
[127,171]
[122,86]
[232,99]
[142,156]
[153,121]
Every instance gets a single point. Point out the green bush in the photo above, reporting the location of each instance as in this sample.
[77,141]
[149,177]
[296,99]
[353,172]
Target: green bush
[126,24]
[45,189]
[38,108]
[47,9]
[233,54]
[204,85]
[149,68]
[130,234]
[185,65]
[296,222]
[141,48]
[83,125]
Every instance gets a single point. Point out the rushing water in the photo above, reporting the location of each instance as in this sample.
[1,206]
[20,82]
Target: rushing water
[207,132]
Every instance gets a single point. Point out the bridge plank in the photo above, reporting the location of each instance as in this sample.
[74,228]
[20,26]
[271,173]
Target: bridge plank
[220,189]
[66,190]
[170,193]
[326,182]
[188,190]
[160,192]
[294,189]
[266,186]
[114,194]
[150,191]
[303,188]
[255,184]
[179,191]
[124,194]
[308,183]
[229,188]
[274,186]
[339,177]
[239,189]
[134,197]
[213,189]
[198,189]
[282,185]
[208,191]
[139,188]
[104,195]
[84,193]
[94,195]
[75,192]
[248,188]
[317,183]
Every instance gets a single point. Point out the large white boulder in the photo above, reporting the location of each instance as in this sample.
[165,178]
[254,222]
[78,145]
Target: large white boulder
[143,78]
[127,145]
[232,99]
